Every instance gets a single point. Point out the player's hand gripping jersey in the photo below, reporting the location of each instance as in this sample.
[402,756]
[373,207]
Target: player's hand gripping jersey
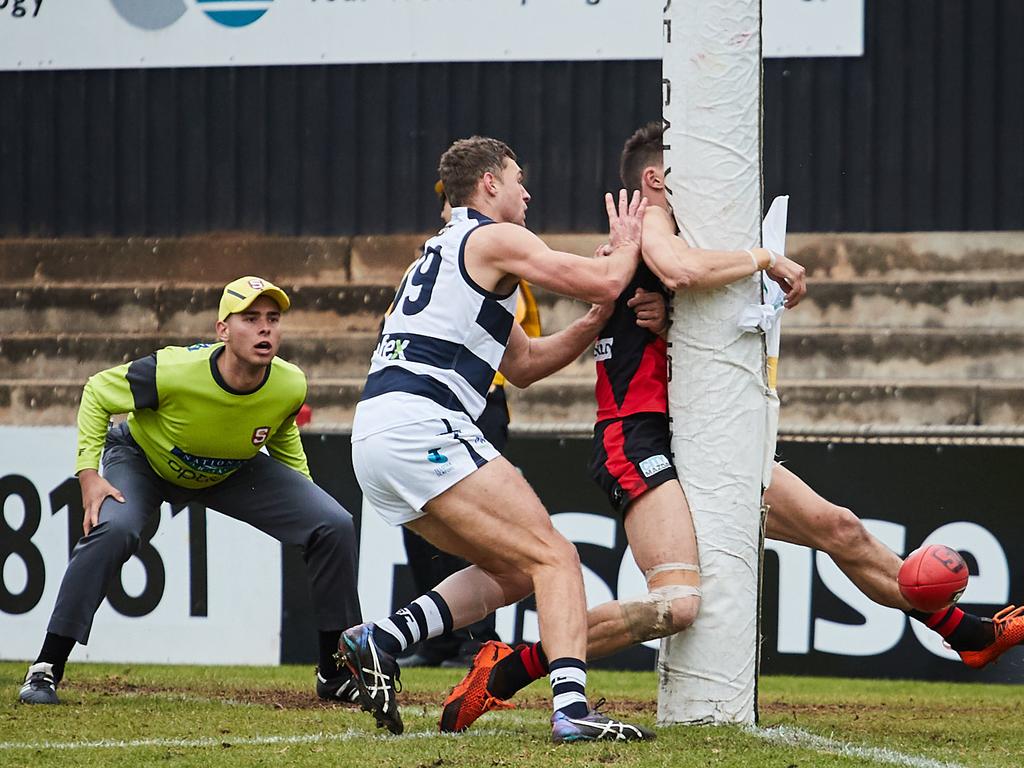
[631,361]
[442,341]
[194,429]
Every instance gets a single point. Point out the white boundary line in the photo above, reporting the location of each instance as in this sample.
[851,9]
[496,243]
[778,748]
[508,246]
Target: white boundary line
[797,737]
[251,741]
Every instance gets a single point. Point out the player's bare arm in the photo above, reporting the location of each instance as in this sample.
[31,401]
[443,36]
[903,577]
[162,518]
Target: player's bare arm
[528,360]
[499,254]
[681,267]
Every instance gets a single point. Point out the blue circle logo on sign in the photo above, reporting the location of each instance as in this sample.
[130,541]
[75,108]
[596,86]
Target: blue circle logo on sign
[235,13]
[159,14]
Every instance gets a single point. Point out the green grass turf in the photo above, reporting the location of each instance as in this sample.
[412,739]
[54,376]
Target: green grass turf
[207,716]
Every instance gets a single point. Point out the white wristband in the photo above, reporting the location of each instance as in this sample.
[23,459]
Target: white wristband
[753,258]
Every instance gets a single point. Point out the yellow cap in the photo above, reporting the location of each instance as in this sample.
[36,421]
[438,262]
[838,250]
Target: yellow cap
[240,293]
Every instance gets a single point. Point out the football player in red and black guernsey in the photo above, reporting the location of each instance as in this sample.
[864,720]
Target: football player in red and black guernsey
[632,462]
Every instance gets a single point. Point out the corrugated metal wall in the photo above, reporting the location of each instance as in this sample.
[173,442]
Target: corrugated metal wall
[924,132]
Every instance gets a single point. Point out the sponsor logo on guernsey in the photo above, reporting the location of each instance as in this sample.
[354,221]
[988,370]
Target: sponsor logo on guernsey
[197,346]
[654,465]
[603,349]
[205,464]
[260,435]
[391,349]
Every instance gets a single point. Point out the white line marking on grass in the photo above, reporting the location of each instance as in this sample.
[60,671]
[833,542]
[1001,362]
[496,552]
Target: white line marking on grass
[250,741]
[797,737]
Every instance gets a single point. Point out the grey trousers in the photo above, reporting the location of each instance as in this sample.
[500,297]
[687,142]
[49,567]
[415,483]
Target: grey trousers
[264,493]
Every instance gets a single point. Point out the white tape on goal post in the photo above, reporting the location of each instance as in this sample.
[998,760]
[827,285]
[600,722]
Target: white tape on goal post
[718,396]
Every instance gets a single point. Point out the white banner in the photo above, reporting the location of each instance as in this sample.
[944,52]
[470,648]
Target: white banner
[128,34]
[216,600]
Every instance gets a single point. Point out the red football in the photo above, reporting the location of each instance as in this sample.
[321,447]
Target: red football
[933,577]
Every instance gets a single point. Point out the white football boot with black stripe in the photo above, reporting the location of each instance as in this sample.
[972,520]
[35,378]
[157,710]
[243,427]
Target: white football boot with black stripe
[40,685]
[595,727]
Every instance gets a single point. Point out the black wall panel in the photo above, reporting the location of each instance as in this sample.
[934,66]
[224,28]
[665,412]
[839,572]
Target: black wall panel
[924,132]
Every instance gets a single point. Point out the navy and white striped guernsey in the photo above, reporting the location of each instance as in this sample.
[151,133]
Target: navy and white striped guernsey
[442,340]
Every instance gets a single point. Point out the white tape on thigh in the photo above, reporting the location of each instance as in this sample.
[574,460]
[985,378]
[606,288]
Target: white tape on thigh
[654,570]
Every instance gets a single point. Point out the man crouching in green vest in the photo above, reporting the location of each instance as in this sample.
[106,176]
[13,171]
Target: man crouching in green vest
[197,419]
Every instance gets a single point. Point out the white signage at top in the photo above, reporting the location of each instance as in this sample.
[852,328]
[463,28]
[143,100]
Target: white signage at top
[100,34]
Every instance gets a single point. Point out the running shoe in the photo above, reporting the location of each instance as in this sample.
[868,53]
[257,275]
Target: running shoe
[471,697]
[1008,626]
[595,727]
[40,685]
[376,674]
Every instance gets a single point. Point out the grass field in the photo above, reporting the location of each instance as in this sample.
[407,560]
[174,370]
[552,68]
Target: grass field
[228,716]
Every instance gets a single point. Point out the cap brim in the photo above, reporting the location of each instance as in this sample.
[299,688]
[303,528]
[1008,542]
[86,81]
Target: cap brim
[279,297]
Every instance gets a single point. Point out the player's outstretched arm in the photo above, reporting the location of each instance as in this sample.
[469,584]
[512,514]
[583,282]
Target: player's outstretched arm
[681,267]
[514,250]
[528,360]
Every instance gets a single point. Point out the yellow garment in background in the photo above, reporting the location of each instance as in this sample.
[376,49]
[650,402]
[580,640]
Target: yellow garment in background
[528,316]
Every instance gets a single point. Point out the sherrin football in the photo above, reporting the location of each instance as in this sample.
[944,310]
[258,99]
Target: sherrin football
[933,577]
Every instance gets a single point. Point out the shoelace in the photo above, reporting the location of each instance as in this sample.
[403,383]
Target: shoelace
[596,709]
[1002,619]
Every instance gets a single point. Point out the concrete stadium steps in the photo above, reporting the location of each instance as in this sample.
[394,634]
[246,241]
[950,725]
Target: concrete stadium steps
[79,355]
[922,301]
[807,353]
[178,309]
[900,256]
[902,330]
[182,308]
[907,354]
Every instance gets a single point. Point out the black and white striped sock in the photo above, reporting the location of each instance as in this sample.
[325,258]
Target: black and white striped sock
[426,616]
[568,678]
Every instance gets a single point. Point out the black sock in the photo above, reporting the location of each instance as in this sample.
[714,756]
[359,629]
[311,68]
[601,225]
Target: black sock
[55,651]
[328,664]
[963,631]
[972,634]
[517,670]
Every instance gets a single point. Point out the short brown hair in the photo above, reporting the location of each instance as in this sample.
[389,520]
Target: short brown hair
[642,150]
[466,161]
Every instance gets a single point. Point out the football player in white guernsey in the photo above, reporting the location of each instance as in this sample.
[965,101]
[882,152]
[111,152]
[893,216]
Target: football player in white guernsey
[421,461]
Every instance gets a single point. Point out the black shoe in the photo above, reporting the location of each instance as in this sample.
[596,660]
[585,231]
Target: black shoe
[341,687]
[40,686]
[377,675]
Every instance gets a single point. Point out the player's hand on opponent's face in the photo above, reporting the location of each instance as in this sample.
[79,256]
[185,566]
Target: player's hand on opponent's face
[95,489]
[791,277]
[625,223]
[649,308]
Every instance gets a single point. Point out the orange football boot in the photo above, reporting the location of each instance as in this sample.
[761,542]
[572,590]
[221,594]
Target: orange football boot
[471,697]
[1008,626]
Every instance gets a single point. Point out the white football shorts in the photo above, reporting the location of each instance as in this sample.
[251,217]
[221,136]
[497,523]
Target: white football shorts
[404,467]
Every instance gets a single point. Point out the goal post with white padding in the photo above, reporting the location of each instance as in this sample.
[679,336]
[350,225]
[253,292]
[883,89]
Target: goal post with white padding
[723,411]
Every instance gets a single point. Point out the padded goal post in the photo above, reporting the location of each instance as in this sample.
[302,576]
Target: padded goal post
[723,411]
